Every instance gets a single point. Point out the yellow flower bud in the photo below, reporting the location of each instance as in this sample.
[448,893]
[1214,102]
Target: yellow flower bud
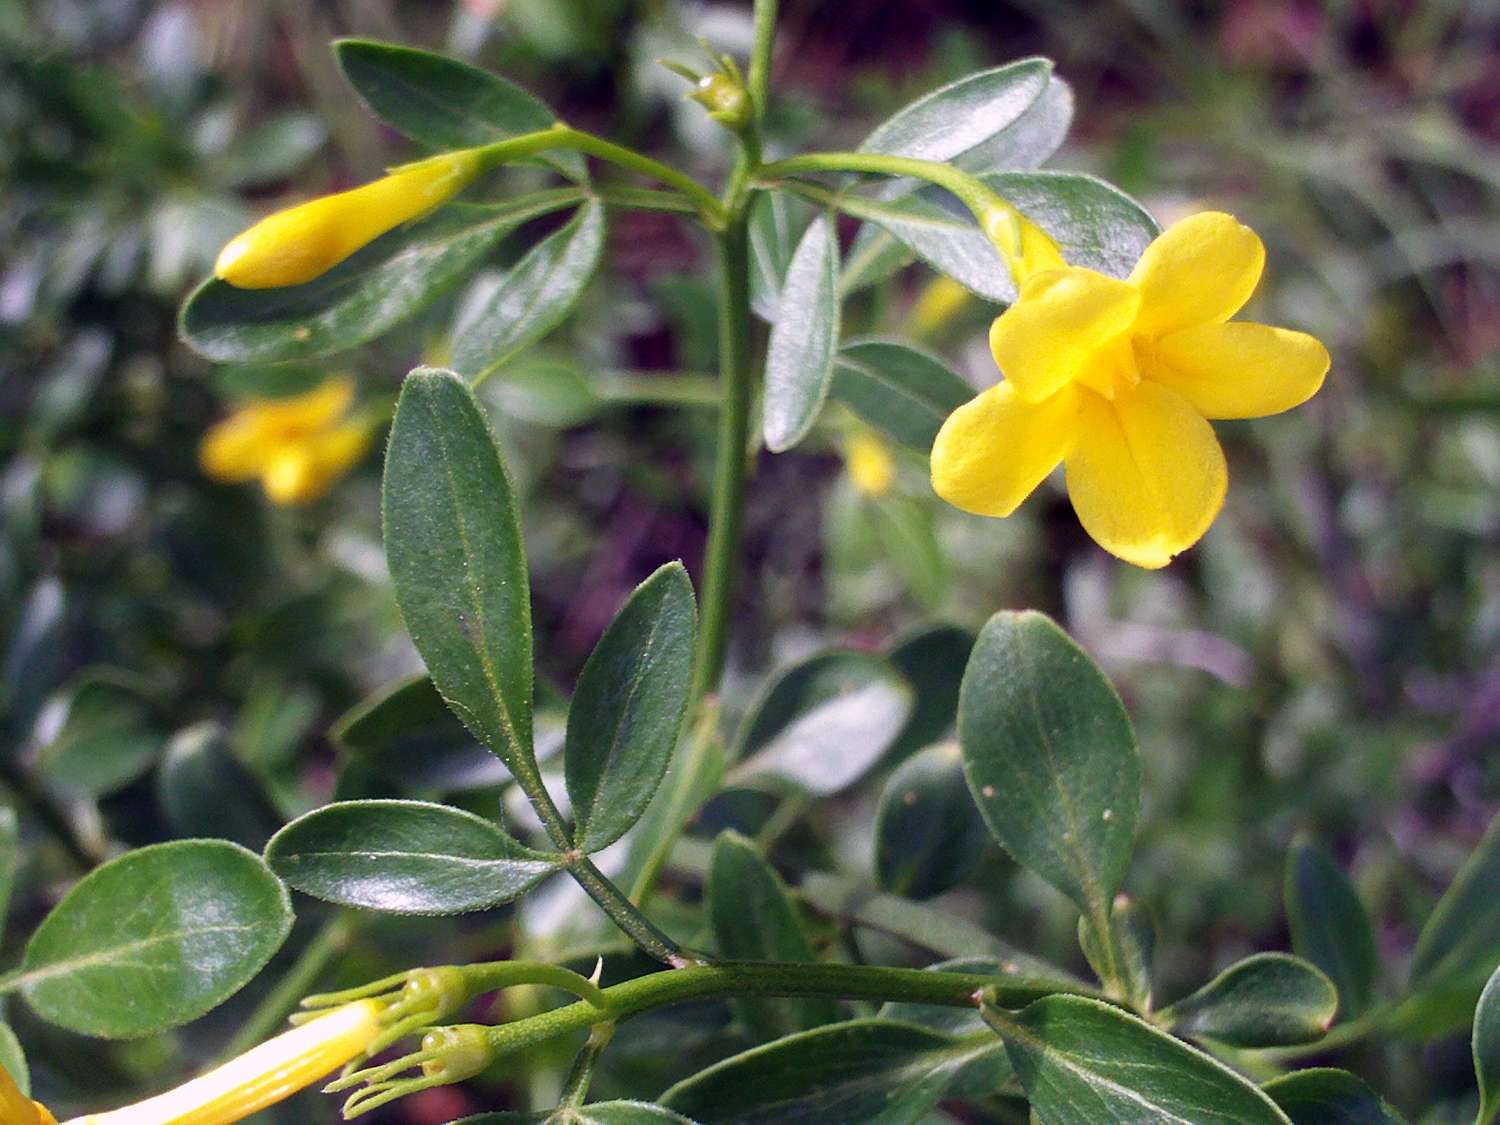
[870,465]
[296,245]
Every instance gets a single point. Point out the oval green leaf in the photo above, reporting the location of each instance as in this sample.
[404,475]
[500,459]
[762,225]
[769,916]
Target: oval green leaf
[904,391]
[1050,757]
[1329,924]
[106,741]
[1486,1043]
[928,834]
[441,102]
[824,722]
[1267,1000]
[1322,1096]
[205,790]
[155,938]
[628,708]
[453,542]
[530,299]
[799,355]
[362,297]
[875,1072]
[775,226]
[1461,941]
[1082,1060]
[407,734]
[404,857]
[961,115]
[753,919]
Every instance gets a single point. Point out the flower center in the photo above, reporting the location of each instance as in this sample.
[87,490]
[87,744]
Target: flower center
[1112,368]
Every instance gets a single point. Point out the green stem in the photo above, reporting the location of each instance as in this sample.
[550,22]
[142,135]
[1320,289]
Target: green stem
[562,136]
[331,939]
[759,78]
[576,1088]
[626,914]
[631,388]
[645,199]
[771,978]
[731,472]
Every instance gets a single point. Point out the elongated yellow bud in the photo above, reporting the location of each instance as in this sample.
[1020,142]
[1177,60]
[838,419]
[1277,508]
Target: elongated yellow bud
[303,242]
[261,1077]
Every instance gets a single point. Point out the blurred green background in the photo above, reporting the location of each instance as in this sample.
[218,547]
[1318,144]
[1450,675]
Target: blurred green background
[1323,661]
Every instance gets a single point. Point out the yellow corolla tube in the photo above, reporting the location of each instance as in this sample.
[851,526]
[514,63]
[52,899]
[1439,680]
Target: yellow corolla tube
[16,1108]
[261,1077]
[1117,381]
[296,245]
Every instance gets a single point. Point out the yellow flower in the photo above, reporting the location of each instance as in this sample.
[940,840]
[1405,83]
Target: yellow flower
[300,243]
[296,446]
[1117,380]
[869,464]
[261,1077]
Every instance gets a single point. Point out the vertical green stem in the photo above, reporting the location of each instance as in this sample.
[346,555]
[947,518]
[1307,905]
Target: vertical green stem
[760,56]
[721,565]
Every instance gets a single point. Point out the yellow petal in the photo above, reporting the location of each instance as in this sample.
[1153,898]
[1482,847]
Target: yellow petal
[292,477]
[869,464]
[234,450]
[1237,370]
[994,450]
[339,450]
[296,245]
[1200,270]
[44,1115]
[1061,318]
[296,416]
[15,1107]
[1146,475]
[261,1077]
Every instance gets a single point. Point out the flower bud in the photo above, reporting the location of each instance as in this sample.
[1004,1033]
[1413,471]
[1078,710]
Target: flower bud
[301,243]
[724,98]
[456,1053]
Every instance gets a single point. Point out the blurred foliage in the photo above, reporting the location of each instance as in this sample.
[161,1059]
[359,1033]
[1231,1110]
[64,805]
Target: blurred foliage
[1325,661]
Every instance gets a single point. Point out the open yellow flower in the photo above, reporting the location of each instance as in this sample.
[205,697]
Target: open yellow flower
[262,1076]
[296,245]
[1117,381]
[297,447]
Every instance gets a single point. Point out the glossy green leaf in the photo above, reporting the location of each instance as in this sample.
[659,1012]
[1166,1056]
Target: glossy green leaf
[1266,1000]
[902,390]
[205,790]
[799,355]
[362,297]
[874,1072]
[1050,756]
[824,722]
[10,857]
[1461,940]
[776,224]
[155,938]
[531,298]
[1329,924]
[453,542]
[1082,1060]
[628,708]
[404,857]
[1322,1096]
[1028,140]
[106,742]
[753,919]
[1486,1042]
[928,834]
[441,102]
[1094,224]
[1130,957]
[961,115]
[600,1113]
[13,1059]
[932,659]
[407,734]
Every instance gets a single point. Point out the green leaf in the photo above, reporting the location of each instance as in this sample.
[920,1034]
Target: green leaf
[1094,224]
[753,919]
[963,114]
[362,297]
[531,298]
[902,390]
[13,1059]
[875,1072]
[442,103]
[204,790]
[1129,958]
[1266,1000]
[799,354]
[404,857]
[775,226]
[1082,1060]
[407,734]
[932,660]
[10,857]
[1030,139]
[1321,1096]
[1487,1049]
[1050,757]
[693,777]
[824,722]
[1329,924]
[1461,940]
[107,740]
[273,151]
[628,708]
[453,542]
[600,1113]
[927,833]
[154,939]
